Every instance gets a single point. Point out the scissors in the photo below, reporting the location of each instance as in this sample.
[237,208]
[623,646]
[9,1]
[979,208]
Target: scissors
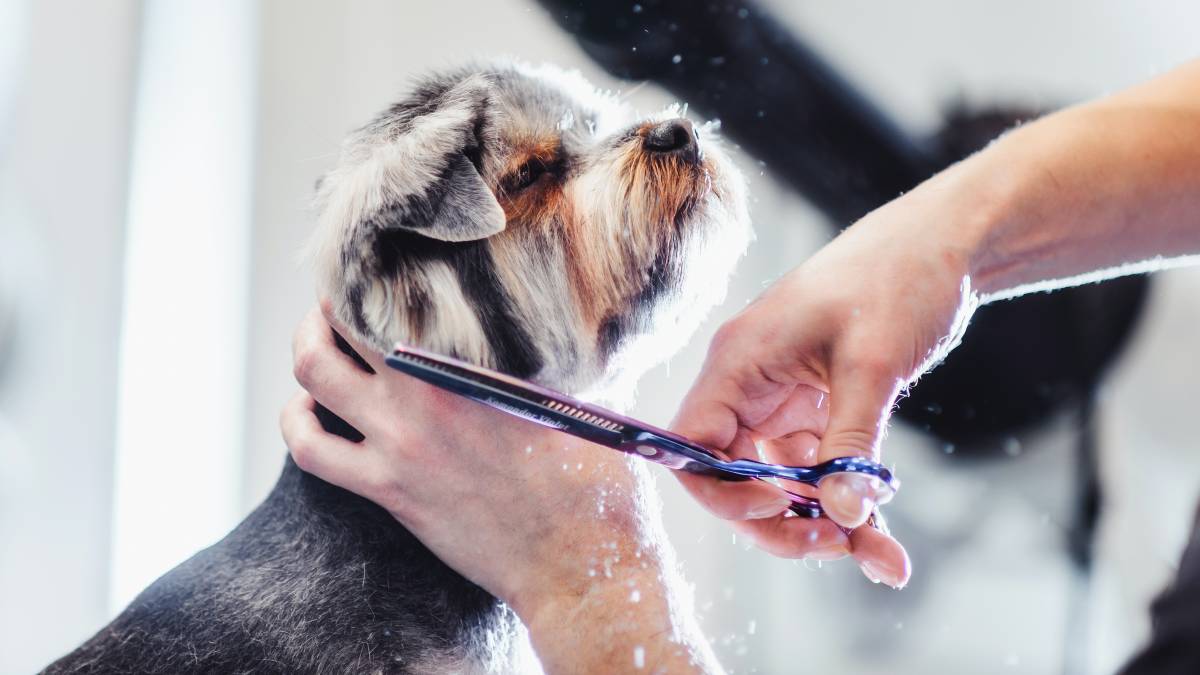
[604,427]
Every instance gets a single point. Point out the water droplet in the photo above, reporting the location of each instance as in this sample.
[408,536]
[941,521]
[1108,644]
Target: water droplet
[753,626]
[743,13]
[948,448]
[637,9]
[1012,447]
[635,596]
[678,58]
[639,657]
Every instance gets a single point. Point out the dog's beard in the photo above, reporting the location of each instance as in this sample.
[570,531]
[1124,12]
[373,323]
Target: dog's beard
[713,235]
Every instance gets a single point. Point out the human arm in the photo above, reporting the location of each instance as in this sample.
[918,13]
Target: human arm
[567,533]
[812,368]
[1099,189]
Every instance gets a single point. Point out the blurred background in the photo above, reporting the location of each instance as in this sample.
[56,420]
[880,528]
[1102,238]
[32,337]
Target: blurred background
[156,162]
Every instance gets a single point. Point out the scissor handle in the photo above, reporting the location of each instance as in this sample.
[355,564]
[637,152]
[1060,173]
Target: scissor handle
[811,475]
[697,459]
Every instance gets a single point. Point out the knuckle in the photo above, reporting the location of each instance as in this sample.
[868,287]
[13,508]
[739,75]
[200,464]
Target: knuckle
[860,441]
[306,364]
[286,424]
[302,452]
[874,363]
[729,334]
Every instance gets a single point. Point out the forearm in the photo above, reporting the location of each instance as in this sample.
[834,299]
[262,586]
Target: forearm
[1089,189]
[634,621]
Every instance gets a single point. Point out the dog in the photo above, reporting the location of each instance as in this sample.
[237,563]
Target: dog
[504,214]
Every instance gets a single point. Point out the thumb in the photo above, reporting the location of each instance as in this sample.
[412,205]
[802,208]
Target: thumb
[861,397]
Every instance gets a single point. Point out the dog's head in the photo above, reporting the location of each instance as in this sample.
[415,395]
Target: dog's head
[515,217]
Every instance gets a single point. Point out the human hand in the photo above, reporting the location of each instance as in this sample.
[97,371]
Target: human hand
[811,370]
[562,530]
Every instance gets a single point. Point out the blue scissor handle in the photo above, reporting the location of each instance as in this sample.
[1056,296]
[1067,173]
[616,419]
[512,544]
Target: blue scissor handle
[700,460]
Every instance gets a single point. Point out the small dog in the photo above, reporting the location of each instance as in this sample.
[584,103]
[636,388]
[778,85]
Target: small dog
[507,215]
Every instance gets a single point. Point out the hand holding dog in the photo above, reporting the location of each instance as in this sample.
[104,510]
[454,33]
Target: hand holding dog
[565,532]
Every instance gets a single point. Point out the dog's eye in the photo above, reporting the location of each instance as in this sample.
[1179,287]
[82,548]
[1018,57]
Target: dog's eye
[525,176]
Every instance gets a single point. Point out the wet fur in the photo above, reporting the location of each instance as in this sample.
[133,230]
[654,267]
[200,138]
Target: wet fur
[424,237]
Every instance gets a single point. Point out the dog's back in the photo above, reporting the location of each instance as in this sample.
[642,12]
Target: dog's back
[314,580]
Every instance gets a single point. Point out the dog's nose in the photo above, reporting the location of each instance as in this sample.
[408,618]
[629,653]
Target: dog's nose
[673,136]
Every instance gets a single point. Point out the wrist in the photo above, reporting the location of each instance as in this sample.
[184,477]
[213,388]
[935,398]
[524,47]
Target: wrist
[637,619]
[970,205]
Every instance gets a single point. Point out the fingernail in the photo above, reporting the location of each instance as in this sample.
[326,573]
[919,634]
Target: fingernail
[772,508]
[847,500]
[878,573]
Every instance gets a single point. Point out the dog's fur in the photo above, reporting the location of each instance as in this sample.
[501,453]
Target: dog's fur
[507,215]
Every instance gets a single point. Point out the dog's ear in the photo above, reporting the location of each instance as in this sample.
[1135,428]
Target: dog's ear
[456,206]
[430,167]
[416,168]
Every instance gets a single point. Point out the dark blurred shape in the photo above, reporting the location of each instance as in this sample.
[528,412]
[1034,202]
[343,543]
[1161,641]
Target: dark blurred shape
[1176,632]
[1022,360]
[773,95]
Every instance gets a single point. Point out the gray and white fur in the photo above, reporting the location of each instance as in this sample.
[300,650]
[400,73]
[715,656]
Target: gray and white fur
[508,215]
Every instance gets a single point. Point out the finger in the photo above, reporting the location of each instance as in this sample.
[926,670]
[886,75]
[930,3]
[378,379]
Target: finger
[805,409]
[327,373]
[861,397]
[396,387]
[880,557]
[734,500]
[370,354]
[795,449]
[790,537]
[726,400]
[327,456]
[734,389]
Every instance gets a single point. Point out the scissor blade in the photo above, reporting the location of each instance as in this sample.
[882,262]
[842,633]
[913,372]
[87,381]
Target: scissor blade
[503,396]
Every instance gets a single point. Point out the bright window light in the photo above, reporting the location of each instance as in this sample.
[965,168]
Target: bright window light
[179,426]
